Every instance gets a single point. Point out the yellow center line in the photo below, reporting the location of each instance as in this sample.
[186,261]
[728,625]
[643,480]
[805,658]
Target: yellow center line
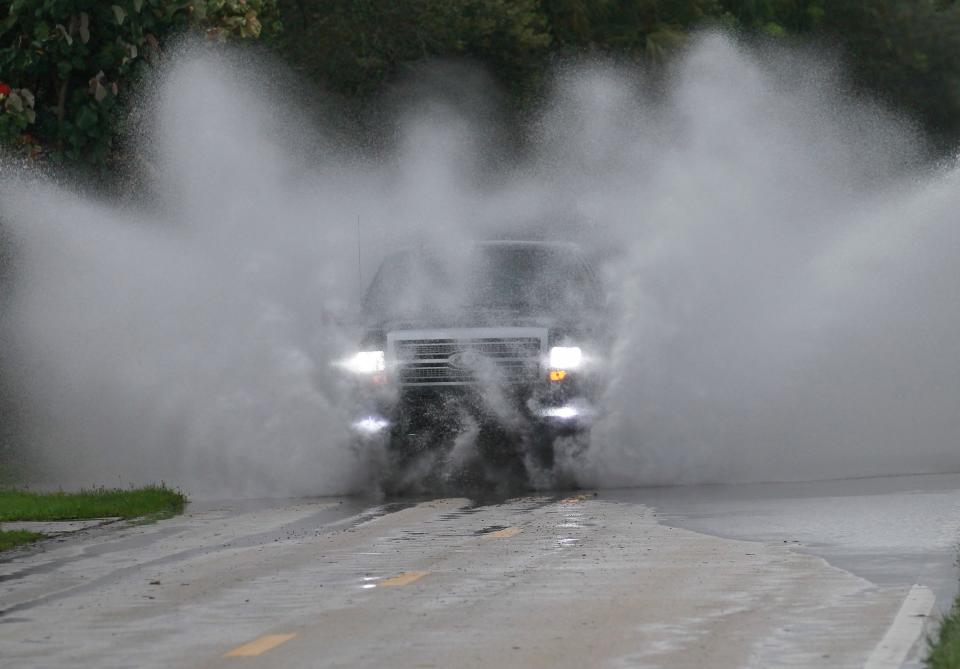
[259,646]
[505,533]
[406,578]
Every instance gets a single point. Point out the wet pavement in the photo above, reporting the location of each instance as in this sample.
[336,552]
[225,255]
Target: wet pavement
[799,574]
[894,530]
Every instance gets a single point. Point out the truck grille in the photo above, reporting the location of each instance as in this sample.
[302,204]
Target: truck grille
[464,361]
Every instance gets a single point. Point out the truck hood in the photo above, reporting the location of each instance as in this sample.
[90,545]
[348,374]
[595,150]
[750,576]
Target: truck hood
[480,318]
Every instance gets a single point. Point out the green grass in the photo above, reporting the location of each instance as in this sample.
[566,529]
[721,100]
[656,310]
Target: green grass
[945,648]
[9,539]
[152,501]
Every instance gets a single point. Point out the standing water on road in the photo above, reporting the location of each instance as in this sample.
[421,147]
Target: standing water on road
[780,259]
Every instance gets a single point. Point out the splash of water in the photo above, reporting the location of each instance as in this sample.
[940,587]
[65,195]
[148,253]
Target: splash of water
[780,265]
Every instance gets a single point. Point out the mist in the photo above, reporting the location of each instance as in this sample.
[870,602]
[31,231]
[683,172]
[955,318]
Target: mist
[778,253]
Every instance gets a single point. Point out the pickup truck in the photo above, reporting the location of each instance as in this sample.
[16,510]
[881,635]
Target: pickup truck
[503,336]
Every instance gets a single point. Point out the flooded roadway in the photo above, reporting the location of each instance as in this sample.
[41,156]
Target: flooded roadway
[812,574]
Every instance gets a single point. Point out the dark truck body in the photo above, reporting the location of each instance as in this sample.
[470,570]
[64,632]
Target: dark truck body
[468,336]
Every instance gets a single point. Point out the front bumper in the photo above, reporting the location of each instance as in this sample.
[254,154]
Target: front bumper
[426,409]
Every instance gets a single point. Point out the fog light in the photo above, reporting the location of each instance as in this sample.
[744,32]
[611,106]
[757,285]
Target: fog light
[371,424]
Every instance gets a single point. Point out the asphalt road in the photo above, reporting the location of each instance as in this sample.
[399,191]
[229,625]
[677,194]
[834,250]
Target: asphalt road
[803,575]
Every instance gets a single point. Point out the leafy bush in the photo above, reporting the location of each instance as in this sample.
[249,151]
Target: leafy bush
[354,47]
[908,51]
[68,63]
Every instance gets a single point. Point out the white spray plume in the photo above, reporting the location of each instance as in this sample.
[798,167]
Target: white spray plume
[780,269]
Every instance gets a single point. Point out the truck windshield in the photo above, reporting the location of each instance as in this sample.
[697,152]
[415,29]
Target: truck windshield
[531,280]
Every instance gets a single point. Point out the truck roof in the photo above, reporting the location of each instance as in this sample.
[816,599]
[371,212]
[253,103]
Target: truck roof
[501,243]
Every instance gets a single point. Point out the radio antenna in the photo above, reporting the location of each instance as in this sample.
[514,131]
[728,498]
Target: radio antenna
[359,264]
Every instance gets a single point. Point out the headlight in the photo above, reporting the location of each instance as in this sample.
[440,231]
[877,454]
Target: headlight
[565,357]
[365,362]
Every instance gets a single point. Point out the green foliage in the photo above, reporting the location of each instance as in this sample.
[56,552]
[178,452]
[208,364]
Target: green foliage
[908,51]
[355,46]
[778,17]
[944,650]
[68,63]
[100,503]
[640,28]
